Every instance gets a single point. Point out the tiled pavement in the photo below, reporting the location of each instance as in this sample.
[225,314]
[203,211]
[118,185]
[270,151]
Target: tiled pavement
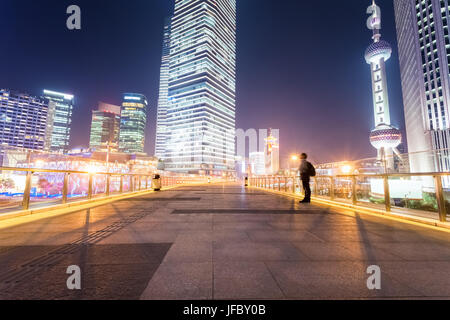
[221,242]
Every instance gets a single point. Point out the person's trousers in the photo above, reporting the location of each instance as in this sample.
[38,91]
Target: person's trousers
[307,188]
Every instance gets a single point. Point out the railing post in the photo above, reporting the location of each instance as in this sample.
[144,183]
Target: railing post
[121,184]
[140,183]
[108,183]
[279,184]
[90,186]
[332,188]
[27,191]
[387,195]
[294,182]
[354,197]
[65,190]
[131,183]
[316,188]
[286,179]
[440,199]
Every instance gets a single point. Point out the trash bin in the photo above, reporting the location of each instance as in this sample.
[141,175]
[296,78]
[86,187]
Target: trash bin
[246,181]
[156,182]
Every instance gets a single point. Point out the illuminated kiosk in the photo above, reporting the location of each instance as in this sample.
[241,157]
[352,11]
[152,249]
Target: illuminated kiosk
[385,138]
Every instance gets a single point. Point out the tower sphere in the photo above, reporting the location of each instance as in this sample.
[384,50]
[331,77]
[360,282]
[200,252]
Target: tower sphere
[385,136]
[378,50]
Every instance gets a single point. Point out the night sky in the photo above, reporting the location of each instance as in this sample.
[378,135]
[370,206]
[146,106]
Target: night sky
[301,65]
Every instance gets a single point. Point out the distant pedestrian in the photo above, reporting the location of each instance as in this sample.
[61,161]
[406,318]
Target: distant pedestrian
[307,171]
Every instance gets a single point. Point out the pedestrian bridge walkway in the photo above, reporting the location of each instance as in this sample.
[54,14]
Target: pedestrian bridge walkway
[220,241]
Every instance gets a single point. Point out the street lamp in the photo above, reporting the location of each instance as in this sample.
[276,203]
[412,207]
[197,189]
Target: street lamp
[346,169]
[293,158]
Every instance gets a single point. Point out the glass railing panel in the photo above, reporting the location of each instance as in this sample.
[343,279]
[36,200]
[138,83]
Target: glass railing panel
[343,188]
[114,184]
[46,189]
[126,183]
[290,184]
[78,187]
[446,194]
[414,195]
[323,187]
[370,191]
[99,185]
[12,186]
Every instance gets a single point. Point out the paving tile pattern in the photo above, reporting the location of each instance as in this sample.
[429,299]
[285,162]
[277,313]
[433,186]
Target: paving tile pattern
[222,241]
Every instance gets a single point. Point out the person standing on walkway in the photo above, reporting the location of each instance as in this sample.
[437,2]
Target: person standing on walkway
[307,171]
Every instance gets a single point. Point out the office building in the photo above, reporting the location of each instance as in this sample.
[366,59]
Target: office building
[161,126]
[23,120]
[424,52]
[257,163]
[105,128]
[201,99]
[59,120]
[133,123]
[272,154]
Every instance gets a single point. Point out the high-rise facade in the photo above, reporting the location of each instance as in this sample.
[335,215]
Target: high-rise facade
[105,128]
[202,75]
[23,120]
[257,163]
[272,154]
[161,125]
[60,119]
[424,52]
[133,123]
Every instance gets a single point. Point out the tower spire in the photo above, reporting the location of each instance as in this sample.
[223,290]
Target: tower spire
[374,21]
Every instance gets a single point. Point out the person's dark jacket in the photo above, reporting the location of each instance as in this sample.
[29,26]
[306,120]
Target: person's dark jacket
[306,169]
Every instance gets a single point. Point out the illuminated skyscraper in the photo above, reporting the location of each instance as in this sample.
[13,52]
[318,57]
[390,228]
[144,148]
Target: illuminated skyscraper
[105,128]
[133,122]
[202,76]
[272,154]
[60,120]
[161,126]
[23,120]
[385,138]
[257,163]
[424,51]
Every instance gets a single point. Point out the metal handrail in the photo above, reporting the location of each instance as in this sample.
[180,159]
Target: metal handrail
[369,175]
[37,170]
[133,184]
[261,182]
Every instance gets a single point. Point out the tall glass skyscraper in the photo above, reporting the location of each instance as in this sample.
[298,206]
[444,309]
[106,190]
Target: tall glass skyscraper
[202,76]
[60,119]
[105,128]
[133,122]
[161,125]
[424,51]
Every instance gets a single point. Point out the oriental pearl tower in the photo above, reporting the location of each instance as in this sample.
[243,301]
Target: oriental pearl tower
[385,138]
